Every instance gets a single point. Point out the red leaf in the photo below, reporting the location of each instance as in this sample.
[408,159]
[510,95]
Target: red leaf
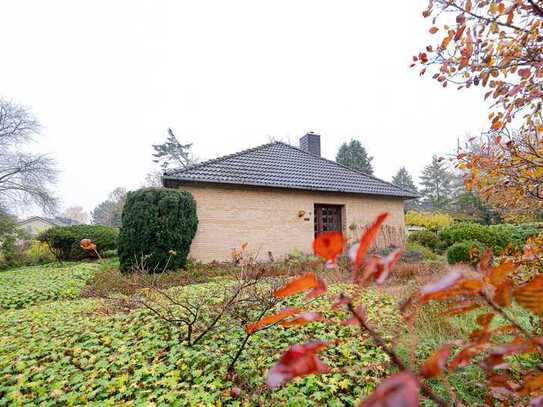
[342,300]
[308,281]
[360,310]
[436,363]
[466,354]
[329,245]
[400,390]
[524,73]
[303,319]
[484,320]
[367,238]
[299,360]
[462,309]
[271,319]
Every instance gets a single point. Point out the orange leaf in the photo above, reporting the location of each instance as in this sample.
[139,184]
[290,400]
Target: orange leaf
[530,295]
[433,30]
[308,281]
[271,319]
[358,252]
[329,245]
[497,275]
[434,366]
[303,319]
[533,382]
[452,284]
[402,389]
[503,294]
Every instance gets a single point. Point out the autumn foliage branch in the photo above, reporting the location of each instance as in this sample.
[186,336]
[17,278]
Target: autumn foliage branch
[462,289]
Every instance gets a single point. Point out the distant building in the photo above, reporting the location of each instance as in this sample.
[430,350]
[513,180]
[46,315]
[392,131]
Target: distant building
[36,224]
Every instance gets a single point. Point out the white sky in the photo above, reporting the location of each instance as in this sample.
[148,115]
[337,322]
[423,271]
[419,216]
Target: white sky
[107,78]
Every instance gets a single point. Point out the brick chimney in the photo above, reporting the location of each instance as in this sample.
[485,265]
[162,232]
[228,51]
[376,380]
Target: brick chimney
[311,143]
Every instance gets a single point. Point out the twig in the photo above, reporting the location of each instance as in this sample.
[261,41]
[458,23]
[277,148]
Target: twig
[394,356]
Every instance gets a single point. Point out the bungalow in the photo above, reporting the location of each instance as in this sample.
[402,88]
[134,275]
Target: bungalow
[277,198]
[35,224]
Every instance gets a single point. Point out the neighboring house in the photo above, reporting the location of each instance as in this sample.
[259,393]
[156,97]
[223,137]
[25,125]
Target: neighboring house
[277,197]
[35,224]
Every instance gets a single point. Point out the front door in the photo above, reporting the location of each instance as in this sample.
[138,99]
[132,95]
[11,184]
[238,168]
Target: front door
[327,218]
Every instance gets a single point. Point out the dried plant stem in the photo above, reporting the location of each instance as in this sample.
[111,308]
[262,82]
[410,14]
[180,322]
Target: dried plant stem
[393,355]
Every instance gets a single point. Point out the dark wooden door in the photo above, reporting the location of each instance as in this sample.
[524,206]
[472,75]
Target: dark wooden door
[327,218]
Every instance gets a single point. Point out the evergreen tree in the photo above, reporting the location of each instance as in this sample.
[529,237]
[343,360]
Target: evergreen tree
[404,180]
[172,153]
[437,184]
[355,156]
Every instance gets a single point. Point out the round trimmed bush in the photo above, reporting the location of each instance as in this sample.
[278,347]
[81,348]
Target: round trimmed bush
[468,251]
[63,241]
[155,222]
[425,238]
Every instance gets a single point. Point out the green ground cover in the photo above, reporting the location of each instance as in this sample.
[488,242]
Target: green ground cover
[66,352]
[26,286]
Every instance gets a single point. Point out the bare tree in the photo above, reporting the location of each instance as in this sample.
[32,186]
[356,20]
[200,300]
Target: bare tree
[153,179]
[25,178]
[76,213]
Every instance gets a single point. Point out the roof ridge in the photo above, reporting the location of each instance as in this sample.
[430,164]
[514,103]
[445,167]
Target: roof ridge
[221,158]
[348,168]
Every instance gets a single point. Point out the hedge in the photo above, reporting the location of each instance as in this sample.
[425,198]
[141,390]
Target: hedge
[426,238]
[63,241]
[495,237]
[468,251]
[158,225]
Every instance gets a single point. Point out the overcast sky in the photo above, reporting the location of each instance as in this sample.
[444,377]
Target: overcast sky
[107,78]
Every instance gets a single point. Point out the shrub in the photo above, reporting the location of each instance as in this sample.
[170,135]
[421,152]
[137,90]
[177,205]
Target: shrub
[426,253]
[63,241]
[425,238]
[468,251]
[432,221]
[156,221]
[37,253]
[496,237]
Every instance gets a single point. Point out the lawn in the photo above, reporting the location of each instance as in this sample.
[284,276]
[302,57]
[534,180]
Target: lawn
[60,348]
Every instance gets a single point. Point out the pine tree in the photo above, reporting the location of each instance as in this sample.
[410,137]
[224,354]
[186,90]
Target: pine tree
[355,156]
[437,183]
[404,180]
[173,153]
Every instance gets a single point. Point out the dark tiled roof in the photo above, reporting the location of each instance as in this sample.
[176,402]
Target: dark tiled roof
[281,165]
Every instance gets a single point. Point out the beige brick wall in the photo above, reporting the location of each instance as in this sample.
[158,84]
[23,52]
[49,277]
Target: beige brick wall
[267,219]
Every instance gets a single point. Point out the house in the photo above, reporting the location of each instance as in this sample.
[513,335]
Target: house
[277,198]
[35,224]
